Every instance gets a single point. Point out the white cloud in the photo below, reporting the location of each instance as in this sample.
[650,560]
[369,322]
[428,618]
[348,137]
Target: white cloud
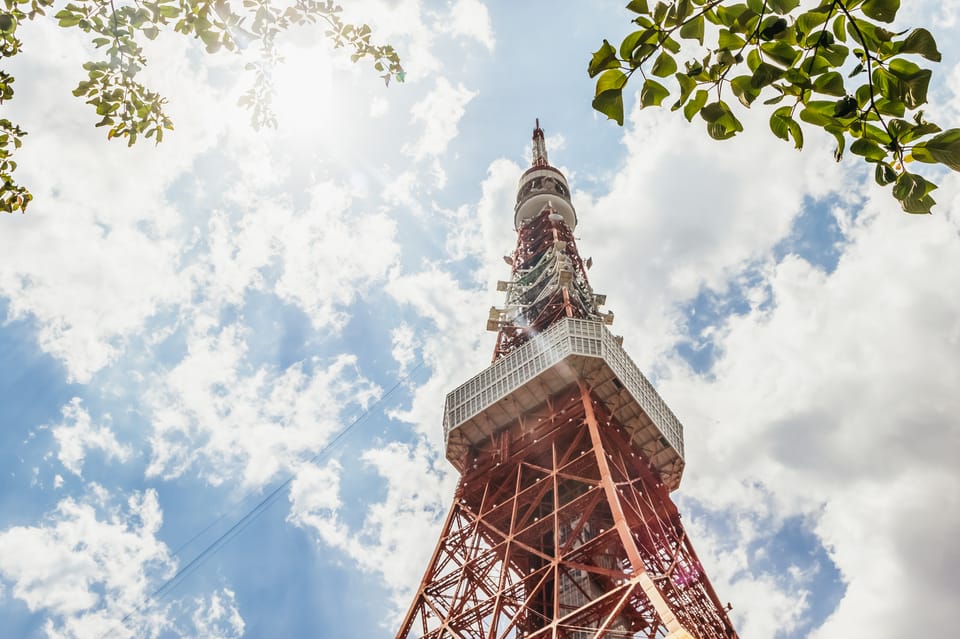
[838,399]
[322,263]
[726,559]
[97,253]
[440,112]
[404,526]
[229,420]
[404,349]
[454,345]
[217,616]
[470,18]
[379,107]
[88,565]
[688,213]
[77,435]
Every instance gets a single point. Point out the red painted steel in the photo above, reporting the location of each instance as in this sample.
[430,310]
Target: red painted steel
[533,239]
[559,529]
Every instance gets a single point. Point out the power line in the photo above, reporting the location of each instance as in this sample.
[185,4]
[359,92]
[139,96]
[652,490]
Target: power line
[241,524]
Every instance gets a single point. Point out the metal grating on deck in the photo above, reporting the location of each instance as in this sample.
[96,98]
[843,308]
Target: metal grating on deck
[571,349]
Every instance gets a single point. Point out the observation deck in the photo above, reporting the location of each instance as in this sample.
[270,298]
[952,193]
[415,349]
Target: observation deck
[550,363]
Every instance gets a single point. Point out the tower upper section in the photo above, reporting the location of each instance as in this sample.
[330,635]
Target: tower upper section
[552,336]
[542,185]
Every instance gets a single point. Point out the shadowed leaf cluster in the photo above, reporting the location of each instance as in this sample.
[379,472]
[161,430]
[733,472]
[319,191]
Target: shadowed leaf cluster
[833,66]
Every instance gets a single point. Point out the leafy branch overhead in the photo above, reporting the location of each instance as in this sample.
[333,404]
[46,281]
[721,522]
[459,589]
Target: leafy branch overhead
[129,110]
[833,66]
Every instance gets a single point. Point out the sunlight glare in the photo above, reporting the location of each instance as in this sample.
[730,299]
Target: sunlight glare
[305,95]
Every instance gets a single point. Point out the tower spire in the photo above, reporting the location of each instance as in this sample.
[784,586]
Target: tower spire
[539,148]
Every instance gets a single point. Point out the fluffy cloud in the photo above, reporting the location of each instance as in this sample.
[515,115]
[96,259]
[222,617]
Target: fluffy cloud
[835,393]
[307,256]
[471,19]
[89,565]
[76,435]
[97,254]
[439,112]
[404,526]
[768,603]
[231,420]
[687,213]
[217,616]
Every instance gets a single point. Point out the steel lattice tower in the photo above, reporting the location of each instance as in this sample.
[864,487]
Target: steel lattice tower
[562,524]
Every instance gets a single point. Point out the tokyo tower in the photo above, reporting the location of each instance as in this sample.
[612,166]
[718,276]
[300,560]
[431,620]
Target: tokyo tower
[562,525]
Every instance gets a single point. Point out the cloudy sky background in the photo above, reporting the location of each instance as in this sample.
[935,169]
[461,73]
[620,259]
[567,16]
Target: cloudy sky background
[187,327]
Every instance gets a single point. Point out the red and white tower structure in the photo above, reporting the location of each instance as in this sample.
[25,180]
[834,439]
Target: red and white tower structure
[562,525]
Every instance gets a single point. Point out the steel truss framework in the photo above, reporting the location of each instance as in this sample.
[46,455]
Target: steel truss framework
[562,530]
[549,282]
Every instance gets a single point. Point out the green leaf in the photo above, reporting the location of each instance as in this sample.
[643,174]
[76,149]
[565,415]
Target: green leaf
[873,34]
[840,27]
[781,52]
[796,133]
[920,41]
[638,6]
[882,10]
[845,107]
[610,103]
[693,30]
[168,11]
[783,6]
[836,54]
[868,149]
[660,12]
[915,90]
[905,132]
[687,85]
[810,20]
[764,75]
[819,113]
[721,123]
[884,174]
[609,94]
[889,107]
[914,193]
[778,123]
[742,88]
[664,66]
[830,83]
[652,93]
[634,40]
[68,18]
[943,148]
[838,152]
[772,27]
[8,24]
[729,40]
[693,106]
[815,65]
[604,58]
[887,84]
[730,14]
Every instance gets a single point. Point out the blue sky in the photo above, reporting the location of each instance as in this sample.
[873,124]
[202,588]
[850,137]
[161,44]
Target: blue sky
[187,327]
